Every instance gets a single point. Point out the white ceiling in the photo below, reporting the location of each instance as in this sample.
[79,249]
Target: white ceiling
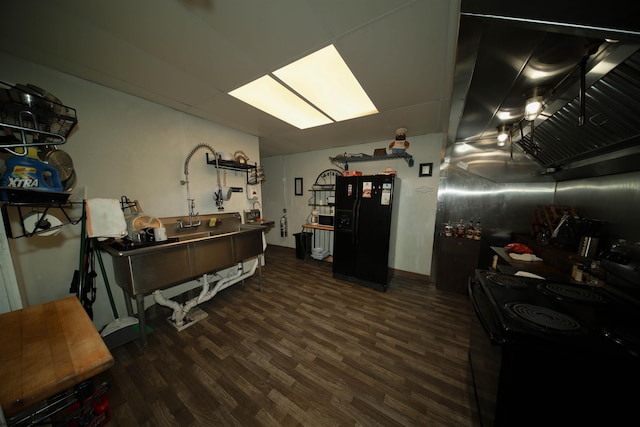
[187,54]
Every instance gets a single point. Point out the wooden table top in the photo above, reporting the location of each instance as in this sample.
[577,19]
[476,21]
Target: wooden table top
[47,349]
[319,227]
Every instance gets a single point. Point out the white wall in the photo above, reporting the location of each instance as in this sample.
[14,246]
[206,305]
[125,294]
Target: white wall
[417,205]
[125,145]
[122,145]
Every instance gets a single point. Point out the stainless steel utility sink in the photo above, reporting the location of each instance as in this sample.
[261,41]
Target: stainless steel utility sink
[205,232]
[189,254]
[191,236]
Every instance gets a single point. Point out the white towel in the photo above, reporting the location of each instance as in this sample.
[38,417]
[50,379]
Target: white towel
[524,257]
[527,274]
[105,219]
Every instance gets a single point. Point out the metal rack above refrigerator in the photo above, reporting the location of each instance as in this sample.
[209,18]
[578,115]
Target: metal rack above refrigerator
[29,116]
[344,160]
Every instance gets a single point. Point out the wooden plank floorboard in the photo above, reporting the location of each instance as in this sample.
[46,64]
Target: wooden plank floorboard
[309,350]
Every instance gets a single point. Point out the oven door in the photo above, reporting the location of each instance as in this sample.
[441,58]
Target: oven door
[485,354]
[523,379]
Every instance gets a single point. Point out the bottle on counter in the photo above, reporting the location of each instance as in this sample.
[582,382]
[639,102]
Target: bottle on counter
[460,228]
[448,229]
[477,231]
[470,232]
[576,272]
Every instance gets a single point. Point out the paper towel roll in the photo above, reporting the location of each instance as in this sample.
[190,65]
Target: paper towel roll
[47,225]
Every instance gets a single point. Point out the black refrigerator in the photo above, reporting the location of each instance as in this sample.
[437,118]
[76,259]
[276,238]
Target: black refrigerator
[364,228]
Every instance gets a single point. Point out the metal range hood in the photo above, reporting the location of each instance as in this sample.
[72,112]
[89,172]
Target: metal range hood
[596,133]
[591,122]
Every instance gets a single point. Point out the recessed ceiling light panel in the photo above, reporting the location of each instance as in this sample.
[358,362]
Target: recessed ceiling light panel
[321,80]
[273,98]
[325,80]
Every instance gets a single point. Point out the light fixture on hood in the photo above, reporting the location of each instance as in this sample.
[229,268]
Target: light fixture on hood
[533,106]
[503,134]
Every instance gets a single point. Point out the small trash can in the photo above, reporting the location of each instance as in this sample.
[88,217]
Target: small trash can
[303,244]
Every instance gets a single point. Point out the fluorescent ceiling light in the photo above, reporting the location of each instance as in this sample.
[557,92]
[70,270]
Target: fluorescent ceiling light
[321,79]
[325,80]
[273,98]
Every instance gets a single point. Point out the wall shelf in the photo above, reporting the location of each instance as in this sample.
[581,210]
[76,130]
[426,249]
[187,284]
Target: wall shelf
[250,169]
[323,190]
[343,161]
[33,119]
[318,197]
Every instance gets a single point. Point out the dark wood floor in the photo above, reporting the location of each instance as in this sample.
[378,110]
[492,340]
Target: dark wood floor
[309,350]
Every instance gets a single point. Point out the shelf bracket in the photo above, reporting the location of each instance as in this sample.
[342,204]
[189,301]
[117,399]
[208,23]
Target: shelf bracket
[44,209]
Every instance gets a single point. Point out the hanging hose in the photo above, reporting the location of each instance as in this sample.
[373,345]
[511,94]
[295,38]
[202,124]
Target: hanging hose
[190,201]
[192,152]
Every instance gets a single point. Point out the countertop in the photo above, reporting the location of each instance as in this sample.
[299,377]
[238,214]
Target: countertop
[119,247]
[540,268]
[47,349]
[268,224]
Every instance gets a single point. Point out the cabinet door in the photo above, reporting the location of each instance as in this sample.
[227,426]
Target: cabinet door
[343,253]
[457,262]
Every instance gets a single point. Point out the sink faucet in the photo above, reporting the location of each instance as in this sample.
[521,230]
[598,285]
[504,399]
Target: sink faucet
[194,220]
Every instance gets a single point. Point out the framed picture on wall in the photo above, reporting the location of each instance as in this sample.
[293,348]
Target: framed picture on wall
[298,186]
[426,169]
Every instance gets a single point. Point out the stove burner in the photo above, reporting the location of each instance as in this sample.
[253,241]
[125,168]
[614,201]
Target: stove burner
[507,281]
[574,293]
[543,317]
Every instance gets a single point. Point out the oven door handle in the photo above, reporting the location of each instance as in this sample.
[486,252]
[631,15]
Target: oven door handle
[495,338]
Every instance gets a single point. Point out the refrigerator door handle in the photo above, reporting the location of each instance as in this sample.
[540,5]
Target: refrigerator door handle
[356,217]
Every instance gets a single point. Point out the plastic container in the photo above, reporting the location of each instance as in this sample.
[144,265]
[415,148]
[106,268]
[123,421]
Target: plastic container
[31,174]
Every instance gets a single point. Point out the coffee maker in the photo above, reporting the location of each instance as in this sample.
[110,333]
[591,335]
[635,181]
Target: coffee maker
[315,217]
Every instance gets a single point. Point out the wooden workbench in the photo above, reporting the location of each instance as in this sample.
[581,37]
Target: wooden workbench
[47,349]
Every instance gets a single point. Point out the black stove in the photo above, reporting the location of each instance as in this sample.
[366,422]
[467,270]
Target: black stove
[505,280]
[543,318]
[550,353]
[573,293]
